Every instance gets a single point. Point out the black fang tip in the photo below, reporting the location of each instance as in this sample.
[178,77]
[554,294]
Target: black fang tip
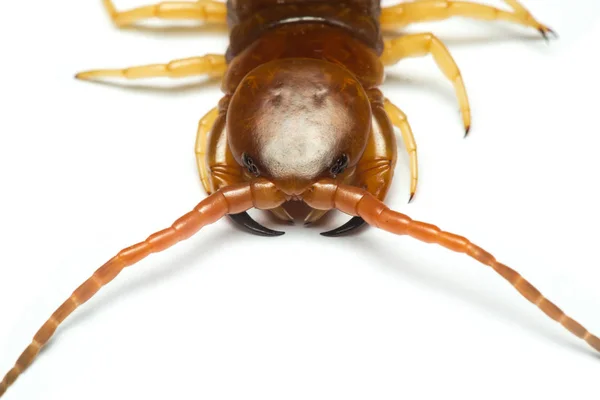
[244,220]
[352,225]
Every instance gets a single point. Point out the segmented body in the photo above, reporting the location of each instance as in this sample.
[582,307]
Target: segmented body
[248,20]
[302,119]
[345,33]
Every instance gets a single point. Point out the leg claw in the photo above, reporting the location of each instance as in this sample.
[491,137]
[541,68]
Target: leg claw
[547,32]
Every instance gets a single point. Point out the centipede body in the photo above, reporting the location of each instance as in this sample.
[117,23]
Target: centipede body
[164,216]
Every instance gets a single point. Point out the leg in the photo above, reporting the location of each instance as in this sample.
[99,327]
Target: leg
[423,44]
[229,200]
[436,10]
[201,10]
[210,64]
[216,165]
[400,121]
[204,127]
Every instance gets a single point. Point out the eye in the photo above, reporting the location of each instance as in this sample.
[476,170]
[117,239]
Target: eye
[339,166]
[249,164]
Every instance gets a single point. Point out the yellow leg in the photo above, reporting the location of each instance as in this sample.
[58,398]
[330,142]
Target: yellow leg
[201,10]
[216,165]
[435,10]
[400,121]
[210,64]
[423,44]
[204,127]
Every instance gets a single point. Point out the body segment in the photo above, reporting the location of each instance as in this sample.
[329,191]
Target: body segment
[248,20]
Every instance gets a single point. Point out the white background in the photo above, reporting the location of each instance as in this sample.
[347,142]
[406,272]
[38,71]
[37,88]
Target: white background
[87,169]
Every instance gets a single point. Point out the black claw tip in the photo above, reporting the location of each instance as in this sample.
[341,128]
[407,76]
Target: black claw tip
[545,32]
[410,199]
[352,225]
[244,220]
[467,130]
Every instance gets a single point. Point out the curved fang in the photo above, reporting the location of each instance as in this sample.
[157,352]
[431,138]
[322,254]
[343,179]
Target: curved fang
[352,225]
[244,220]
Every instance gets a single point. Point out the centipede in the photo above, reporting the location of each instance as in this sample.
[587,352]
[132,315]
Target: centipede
[303,119]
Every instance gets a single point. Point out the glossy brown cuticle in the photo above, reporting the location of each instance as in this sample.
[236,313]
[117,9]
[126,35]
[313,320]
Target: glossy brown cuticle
[302,118]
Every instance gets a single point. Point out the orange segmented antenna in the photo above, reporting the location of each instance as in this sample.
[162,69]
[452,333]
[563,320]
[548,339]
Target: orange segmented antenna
[230,200]
[358,202]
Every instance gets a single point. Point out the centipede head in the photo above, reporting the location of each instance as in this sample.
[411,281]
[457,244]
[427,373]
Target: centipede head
[295,121]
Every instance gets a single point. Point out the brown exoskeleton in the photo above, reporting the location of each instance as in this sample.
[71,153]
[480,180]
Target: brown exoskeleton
[302,119]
